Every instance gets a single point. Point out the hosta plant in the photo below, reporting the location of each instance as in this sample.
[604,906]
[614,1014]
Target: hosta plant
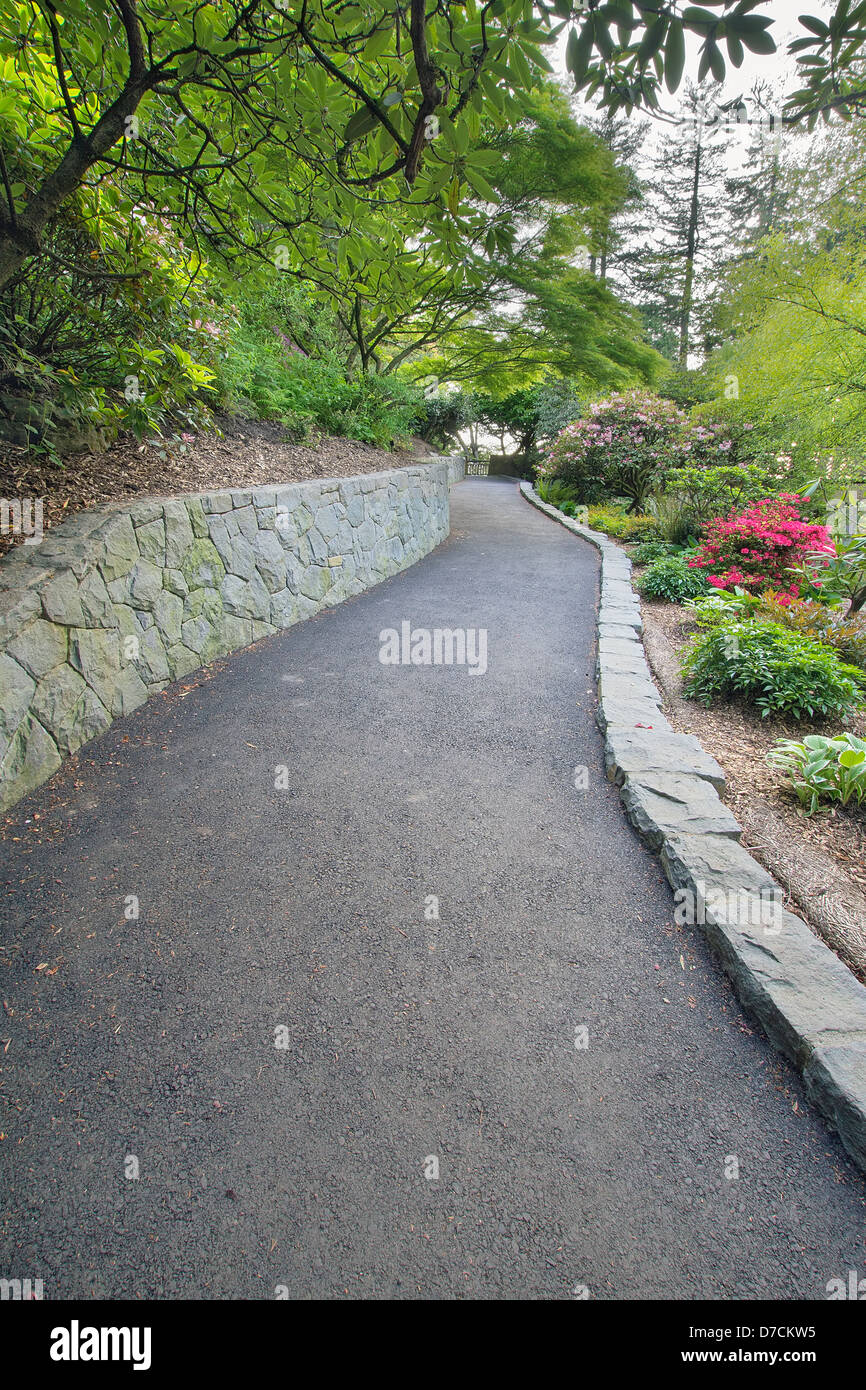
[823,769]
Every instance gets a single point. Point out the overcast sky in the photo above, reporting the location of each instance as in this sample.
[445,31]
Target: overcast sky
[777,69]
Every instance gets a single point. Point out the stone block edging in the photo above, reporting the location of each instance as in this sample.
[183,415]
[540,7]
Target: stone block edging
[810,1005]
[123,599]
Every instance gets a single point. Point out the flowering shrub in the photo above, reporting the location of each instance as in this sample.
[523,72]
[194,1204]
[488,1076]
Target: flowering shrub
[757,548]
[619,448]
[627,444]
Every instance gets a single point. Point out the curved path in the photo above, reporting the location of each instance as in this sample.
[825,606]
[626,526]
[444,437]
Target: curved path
[302,1168]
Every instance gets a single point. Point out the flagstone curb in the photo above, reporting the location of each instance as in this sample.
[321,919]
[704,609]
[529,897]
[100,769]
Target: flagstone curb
[810,1005]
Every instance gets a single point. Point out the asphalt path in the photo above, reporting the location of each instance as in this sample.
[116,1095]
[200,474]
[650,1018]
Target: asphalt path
[248,1090]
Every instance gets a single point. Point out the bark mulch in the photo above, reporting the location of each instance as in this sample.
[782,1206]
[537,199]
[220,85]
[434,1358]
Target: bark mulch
[250,453]
[819,860]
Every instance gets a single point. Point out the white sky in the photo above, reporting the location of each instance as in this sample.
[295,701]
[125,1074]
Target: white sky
[778,69]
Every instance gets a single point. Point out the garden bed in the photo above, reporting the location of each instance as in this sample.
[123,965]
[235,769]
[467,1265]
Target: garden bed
[819,860]
[250,453]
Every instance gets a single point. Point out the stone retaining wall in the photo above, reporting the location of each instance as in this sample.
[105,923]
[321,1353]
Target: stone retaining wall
[120,601]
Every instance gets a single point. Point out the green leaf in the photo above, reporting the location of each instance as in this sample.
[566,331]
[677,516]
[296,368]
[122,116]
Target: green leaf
[699,19]
[520,65]
[816,26]
[675,57]
[480,186]
[760,42]
[717,62]
[360,124]
[377,43]
[652,40]
[735,50]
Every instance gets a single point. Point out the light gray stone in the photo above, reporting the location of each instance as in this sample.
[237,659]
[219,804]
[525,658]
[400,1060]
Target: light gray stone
[95,602]
[39,647]
[284,609]
[17,607]
[145,584]
[631,714]
[61,601]
[30,759]
[178,535]
[175,583]
[633,664]
[614,685]
[16,692]
[245,598]
[662,804]
[147,510]
[168,616]
[621,615]
[835,1077]
[151,663]
[712,863]
[270,560]
[622,631]
[246,520]
[95,653]
[242,560]
[129,692]
[202,567]
[636,752]
[197,519]
[315,582]
[120,548]
[151,541]
[181,661]
[55,699]
[217,502]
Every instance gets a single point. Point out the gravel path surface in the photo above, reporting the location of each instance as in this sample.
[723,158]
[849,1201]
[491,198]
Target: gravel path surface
[302,1168]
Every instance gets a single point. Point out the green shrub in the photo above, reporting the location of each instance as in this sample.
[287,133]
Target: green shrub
[674,519]
[621,527]
[721,606]
[844,634]
[556,493]
[647,551]
[823,769]
[670,578]
[692,496]
[289,361]
[772,668]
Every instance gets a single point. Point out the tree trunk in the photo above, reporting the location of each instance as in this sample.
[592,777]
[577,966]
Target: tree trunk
[691,243]
[21,238]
